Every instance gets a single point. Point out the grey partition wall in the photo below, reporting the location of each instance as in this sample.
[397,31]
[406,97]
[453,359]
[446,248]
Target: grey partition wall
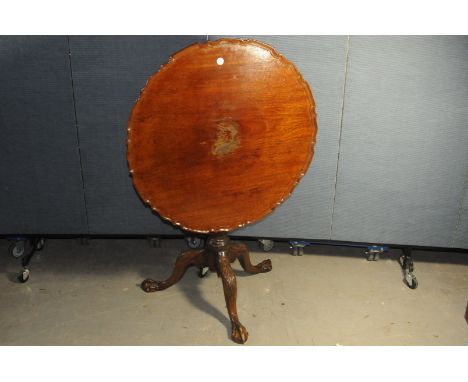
[404,148]
[308,212]
[41,187]
[460,235]
[391,159]
[108,73]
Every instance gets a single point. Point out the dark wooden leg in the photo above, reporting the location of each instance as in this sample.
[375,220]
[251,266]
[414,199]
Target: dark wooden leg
[184,261]
[218,255]
[242,253]
[239,333]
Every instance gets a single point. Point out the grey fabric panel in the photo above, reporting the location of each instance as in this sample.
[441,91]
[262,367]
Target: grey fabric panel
[307,213]
[108,73]
[460,236]
[404,146]
[41,187]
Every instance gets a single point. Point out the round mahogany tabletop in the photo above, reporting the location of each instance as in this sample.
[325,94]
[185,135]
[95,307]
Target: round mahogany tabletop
[221,135]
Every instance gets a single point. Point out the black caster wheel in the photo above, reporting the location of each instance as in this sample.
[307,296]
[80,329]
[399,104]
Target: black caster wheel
[24,276]
[297,251]
[411,281]
[203,272]
[40,244]
[17,248]
[297,247]
[266,245]
[373,257]
[194,242]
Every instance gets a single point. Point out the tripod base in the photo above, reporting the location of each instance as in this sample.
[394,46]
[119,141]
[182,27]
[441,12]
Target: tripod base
[218,255]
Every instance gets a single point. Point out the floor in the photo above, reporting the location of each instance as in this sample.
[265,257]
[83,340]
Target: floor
[89,295]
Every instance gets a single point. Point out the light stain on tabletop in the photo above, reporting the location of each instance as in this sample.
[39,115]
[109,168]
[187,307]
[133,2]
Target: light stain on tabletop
[227,139]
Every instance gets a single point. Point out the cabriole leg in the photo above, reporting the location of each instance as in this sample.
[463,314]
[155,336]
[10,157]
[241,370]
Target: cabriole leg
[185,260]
[239,333]
[241,252]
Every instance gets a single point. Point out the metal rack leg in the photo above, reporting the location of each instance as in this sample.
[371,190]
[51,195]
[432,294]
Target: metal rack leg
[36,244]
[407,266]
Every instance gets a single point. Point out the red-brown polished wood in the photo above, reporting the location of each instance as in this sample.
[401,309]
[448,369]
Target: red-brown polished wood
[221,135]
[217,255]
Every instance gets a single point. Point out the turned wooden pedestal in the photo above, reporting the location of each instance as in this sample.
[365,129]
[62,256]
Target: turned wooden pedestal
[219,137]
[218,255]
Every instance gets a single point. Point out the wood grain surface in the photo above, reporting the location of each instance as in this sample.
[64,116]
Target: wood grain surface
[221,135]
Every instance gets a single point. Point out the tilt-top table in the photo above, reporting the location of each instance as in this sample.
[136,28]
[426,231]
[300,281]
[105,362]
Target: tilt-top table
[219,137]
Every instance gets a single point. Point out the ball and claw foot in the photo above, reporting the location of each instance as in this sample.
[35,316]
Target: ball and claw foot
[265,266]
[150,286]
[239,333]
